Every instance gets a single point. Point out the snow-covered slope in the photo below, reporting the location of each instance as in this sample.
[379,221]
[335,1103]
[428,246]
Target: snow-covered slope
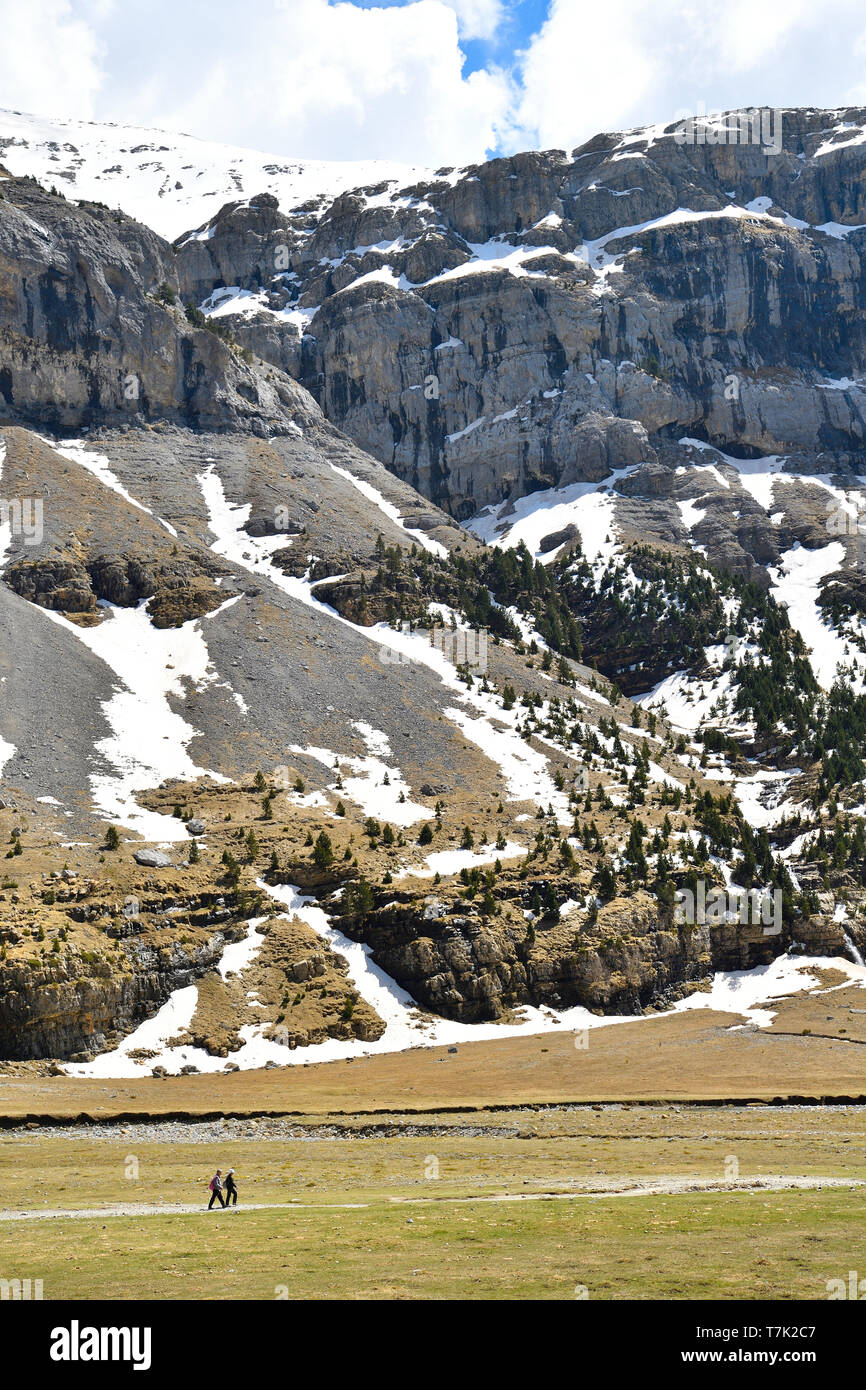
[172,182]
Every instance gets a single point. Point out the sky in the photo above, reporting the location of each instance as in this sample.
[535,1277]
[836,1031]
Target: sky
[424,81]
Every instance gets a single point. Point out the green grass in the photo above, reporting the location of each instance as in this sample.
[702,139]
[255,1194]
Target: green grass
[744,1246]
[559,1150]
[414,1238]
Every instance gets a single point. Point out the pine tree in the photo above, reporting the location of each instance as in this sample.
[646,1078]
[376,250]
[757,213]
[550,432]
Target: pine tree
[323,852]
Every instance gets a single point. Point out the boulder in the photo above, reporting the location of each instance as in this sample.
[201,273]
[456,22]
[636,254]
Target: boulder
[152,859]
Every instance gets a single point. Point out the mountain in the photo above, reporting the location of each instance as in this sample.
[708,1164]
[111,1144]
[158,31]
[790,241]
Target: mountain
[537,321]
[406,596]
[172,182]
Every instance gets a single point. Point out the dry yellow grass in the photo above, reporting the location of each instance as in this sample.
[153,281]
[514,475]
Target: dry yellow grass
[690,1056]
[375,1217]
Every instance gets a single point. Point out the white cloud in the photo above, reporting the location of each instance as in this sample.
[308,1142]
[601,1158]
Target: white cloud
[309,78]
[654,60]
[478,19]
[572,85]
[318,80]
[49,59]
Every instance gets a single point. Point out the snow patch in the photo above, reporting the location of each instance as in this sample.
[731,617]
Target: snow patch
[388,508]
[148,742]
[796,584]
[451,861]
[75,451]
[588,506]
[366,784]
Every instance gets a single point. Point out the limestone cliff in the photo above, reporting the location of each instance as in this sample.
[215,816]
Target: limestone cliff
[543,319]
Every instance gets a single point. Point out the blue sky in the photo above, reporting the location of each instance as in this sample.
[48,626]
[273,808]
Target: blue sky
[429,82]
[520,20]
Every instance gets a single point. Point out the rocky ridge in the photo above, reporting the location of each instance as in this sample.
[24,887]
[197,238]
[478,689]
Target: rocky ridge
[225,561]
[540,320]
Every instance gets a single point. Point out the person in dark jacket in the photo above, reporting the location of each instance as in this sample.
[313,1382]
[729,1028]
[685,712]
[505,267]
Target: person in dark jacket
[231,1189]
[216,1189]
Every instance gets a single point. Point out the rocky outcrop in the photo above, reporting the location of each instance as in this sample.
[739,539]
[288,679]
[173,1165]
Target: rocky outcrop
[742,947]
[297,992]
[83,1004]
[543,319]
[464,966]
[177,590]
[90,328]
[240,247]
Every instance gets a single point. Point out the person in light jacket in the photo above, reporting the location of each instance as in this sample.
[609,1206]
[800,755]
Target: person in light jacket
[216,1189]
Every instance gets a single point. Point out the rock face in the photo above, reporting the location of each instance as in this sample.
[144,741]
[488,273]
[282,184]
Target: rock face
[90,328]
[77,1008]
[626,313]
[540,320]
[470,969]
[633,958]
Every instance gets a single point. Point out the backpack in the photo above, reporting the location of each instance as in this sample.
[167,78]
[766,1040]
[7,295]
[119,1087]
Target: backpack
[210,1186]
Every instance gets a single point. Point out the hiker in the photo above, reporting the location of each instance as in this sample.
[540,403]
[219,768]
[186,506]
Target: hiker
[231,1190]
[216,1189]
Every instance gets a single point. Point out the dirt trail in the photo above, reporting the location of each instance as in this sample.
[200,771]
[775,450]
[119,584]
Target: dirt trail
[614,1187]
[164,1209]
